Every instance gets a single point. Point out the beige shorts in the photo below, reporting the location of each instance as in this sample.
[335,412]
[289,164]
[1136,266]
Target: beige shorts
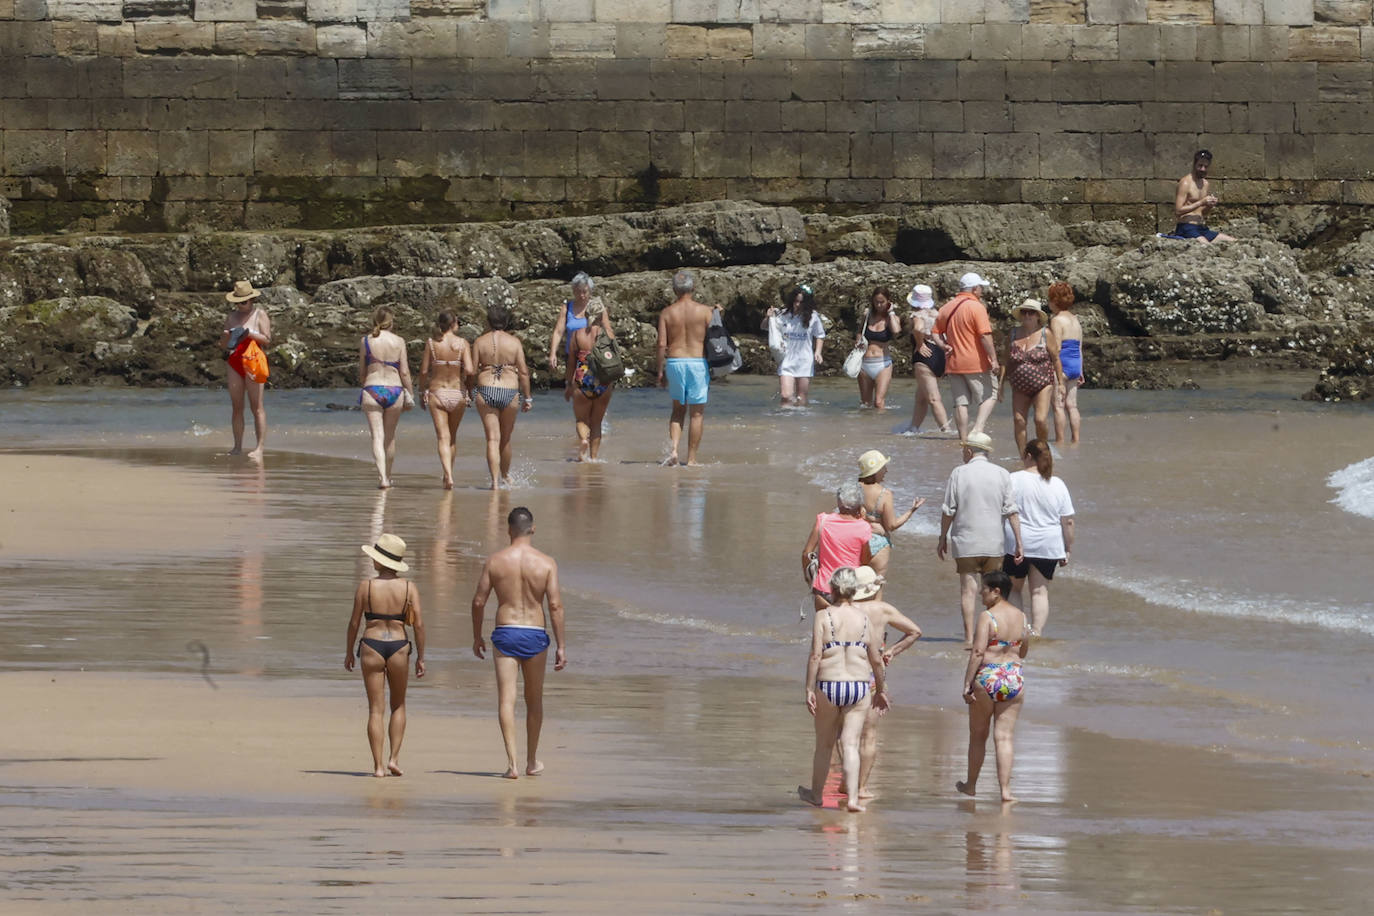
[977,564]
[972,388]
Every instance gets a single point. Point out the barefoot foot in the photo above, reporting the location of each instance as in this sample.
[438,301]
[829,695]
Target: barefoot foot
[256,454]
[669,462]
[448,485]
[855,806]
[967,788]
[807,796]
[512,773]
[866,795]
[534,769]
[379,772]
[394,769]
[236,450]
[1008,798]
[694,464]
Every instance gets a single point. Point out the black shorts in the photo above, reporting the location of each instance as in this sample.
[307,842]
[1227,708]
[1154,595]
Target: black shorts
[1022,569]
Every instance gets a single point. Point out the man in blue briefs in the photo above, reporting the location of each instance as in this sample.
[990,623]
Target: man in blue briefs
[682,339]
[1193,200]
[523,579]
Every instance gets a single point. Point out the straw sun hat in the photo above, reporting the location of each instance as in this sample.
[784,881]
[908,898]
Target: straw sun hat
[243,291]
[1031,305]
[871,462]
[388,552]
[980,441]
[869,582]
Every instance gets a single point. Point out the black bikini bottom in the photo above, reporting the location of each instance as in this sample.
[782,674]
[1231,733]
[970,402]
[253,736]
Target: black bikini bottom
[383,647]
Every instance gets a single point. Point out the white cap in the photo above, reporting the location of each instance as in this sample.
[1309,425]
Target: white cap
[970,280]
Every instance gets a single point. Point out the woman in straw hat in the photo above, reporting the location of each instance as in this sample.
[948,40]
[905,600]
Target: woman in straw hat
[590,398]
[1031,365]
[384,374]
[388,604]
[246,327]
[844,677]
[927,358]
[878,508]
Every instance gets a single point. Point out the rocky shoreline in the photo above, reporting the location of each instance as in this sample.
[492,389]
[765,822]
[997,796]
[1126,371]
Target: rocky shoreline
[1296,291]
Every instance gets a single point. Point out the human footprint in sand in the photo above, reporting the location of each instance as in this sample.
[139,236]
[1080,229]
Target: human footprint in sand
[993,686]
[844,657]
[388,604]
[523,578]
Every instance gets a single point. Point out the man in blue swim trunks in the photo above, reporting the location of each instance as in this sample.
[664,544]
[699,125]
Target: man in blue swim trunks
[682,340]
[1193,200]
[524,578]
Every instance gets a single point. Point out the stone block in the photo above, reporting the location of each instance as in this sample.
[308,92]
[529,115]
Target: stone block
[829,42]
[1075,81]
[696,11]
[780,40]
[721,155]
[765,79]
[1093,42]
[116,41]
[1238,12]
[921,11]
[1293,81]
[1236,82]
[897,117]
[1193,11]
[1333,117]
[311,78]
[1348,82]
[633,40]
[1237,155]
[847,117]
[374,79]
[633,10]
[327,11]
[704,115]
[75,39]
[51,77]
[1101,118]
[1180,81]
[1324,43]
[25,114]
[871,79]
[230,152]
[226,10]
[261,78]
[987,117]
[1006,11]
[120,114]
[1125,81]
[500,80]
[637,115]
[1058,12]
[979,79]
[1341,156]
[621,79]
[902,191]
[102,78]
[957,156]
[1271,118]
[671,153]
[789,191]
[775,155]
[888,42]
[209,78]
[379,10]
[458,116]
[1011,155]
[1173,157]
[929,79]
[338,41]
[291,152]
[824,156]
[1357,192]
[1029,80]
[949,41]
[1269,42]
[160,9]
[173,37]
[130,152]
[802,116]
[183,152]
[352,153]
[588,39]
[941,117]
[85,153]
[854,190]
[1342,12]
[1289,156]
[870,155]
[431,38]
[996,41]
[1177,41]
[913,155]
[1116,12]
[1046,42]
[973,190]
[1288,12]
[741,115]
[567,10]
[790,10]
[70,114]
[961,10]
[35,152]
[1223,42]
[1127,156]
[674,79]
[565,78]
[1070,156]
[495,10]
[265,37]
[87,10]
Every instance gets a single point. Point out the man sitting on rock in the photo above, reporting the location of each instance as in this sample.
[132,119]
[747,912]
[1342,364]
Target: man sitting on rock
[1193,200]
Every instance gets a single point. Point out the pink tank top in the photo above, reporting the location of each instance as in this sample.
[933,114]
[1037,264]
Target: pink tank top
[842,542]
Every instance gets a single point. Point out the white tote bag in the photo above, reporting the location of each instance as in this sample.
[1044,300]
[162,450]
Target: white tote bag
[854,362]
[775,342]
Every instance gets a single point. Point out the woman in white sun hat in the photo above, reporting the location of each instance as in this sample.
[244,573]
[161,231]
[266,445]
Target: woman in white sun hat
[928,359]
[247,330]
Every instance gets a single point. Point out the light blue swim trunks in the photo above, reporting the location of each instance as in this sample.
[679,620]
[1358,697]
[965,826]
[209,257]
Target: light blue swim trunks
[688,379]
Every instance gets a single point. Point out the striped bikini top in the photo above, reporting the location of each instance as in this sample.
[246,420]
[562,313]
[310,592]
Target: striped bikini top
[835,642]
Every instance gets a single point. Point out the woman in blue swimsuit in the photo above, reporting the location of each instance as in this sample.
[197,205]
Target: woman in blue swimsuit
[993,685]
[844,677]
[1066,326]
[575,316]
[388,604]
[384,375]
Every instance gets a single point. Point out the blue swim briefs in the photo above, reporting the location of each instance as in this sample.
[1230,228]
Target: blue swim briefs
[519,641]
[688,380]
[1195,230]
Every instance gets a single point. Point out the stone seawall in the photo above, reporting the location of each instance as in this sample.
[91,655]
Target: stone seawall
[154,115]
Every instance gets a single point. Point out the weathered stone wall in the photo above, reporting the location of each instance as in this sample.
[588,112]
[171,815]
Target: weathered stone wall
[176,114]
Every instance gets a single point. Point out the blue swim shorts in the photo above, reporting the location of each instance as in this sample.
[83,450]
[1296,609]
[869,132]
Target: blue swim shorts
[688,380]
[1195,230]
[519,641]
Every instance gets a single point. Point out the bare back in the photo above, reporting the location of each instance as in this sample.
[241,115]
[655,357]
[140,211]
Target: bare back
[499,358]
[523,578]
[1066,326]
[682,328]
[447,361]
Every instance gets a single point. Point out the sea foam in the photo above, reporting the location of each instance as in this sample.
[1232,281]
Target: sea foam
[1354,486]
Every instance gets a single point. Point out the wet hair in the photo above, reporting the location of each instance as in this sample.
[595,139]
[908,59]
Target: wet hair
[881,291]
[683,283]
[1203,154]
[581,279]
[998,580]
[844,583]
[849,496]
[520,520]
[808,303]
[498,317]
[1039,450]
[1061,295]
[382,320]
[445,322]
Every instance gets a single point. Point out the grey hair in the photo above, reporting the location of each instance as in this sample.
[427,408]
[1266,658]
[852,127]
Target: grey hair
[683,283]
[844,583]
[583,280]
[849,496]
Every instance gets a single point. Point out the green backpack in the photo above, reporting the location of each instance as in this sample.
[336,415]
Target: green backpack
[606,361]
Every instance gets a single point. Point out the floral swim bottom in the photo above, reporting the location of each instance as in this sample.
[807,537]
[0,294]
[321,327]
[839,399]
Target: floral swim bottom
[1002,681]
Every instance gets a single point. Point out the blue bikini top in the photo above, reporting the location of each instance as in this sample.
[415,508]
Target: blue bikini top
[372,359]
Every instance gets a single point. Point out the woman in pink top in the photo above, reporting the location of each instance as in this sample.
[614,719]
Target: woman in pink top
[839,539]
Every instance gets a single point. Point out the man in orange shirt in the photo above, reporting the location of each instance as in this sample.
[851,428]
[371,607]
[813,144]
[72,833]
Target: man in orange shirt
[972,361]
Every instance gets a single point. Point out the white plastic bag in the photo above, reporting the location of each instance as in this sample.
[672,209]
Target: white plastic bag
[854,362]
[775,341]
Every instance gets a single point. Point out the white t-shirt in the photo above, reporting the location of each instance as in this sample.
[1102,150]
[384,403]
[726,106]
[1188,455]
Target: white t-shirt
[1041,504]
[799,360]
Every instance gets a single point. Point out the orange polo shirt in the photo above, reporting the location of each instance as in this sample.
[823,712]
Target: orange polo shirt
[963,320]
